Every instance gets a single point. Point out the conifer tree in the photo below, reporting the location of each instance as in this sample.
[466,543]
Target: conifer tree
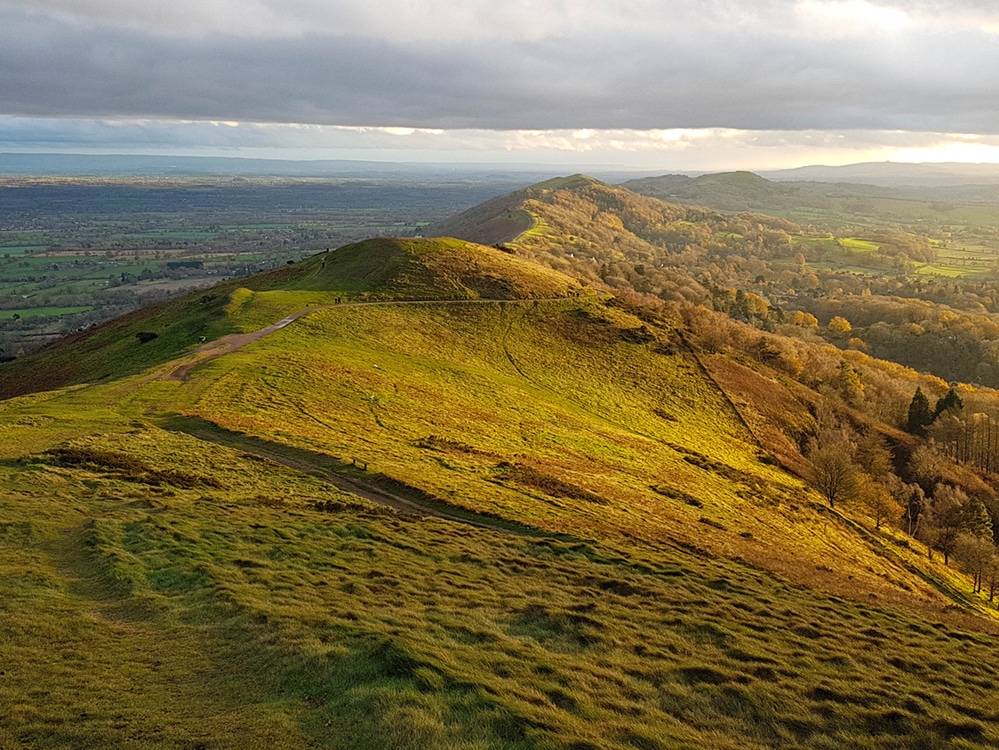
[949,402]
[977,519]
[920,416]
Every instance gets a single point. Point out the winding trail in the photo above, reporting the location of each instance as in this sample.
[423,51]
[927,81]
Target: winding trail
[368,490]
[355,486]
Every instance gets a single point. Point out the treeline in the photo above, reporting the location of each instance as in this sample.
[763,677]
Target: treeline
[952,344]
[936,486]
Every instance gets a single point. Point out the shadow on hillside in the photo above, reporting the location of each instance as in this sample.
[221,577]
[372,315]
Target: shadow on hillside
[351,475]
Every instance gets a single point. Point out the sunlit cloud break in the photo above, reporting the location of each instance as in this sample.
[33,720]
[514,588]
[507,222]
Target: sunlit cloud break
[656,149]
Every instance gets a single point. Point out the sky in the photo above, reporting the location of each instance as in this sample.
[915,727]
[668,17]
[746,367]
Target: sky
[656,85]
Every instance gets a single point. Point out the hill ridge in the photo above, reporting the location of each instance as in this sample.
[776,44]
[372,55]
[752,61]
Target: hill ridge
[377,269]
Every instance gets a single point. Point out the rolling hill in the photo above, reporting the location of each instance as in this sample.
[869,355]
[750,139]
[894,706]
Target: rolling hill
[729,191]
[370,270]
[839,196]
[456,499]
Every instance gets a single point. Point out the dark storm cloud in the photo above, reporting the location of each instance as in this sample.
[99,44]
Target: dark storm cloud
[774,70]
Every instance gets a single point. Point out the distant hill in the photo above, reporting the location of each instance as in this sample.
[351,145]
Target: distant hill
[116,165]
[152,166]
[855,195]
[894,174]
[726,191]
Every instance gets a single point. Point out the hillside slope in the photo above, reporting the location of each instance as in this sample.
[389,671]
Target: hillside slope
[373,269]
[728,191]
[609,555]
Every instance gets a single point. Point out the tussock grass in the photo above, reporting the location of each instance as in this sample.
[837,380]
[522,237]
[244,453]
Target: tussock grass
[568,393]
[354,628]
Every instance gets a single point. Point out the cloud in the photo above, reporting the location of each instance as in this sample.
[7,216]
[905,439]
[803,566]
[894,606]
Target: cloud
[657,149]
[521,66]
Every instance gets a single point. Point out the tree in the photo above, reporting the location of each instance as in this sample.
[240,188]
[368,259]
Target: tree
[991,575]
[949,402]
[878,500]
[839,326]
[944,519]
[806,320]
[977,520]
[974,554]
[920,416]
[874,457]
[848,382]
[911,498]
[832,472]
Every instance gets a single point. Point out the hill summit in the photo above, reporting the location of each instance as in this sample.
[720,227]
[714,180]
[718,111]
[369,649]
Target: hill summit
[438,268]
[386,269]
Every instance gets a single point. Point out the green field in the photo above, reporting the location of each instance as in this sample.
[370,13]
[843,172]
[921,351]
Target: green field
[30,312]
[21,249]
[858,245]
[173,234]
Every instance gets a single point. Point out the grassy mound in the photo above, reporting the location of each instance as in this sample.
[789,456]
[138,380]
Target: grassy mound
[379,269]
[425,269]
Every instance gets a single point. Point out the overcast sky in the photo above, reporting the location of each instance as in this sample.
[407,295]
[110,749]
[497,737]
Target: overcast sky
[668,84]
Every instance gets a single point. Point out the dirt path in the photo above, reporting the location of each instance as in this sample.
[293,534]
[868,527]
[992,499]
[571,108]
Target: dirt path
[235,341]
[231,343]
[356,486]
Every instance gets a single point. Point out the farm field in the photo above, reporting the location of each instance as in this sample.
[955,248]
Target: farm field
[77,251]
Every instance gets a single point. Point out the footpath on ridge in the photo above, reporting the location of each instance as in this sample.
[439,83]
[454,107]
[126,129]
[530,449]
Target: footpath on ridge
[235,341]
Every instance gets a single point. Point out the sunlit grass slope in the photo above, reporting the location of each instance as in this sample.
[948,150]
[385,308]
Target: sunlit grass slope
[573,417]
[178,568]
[374,269]
[162,591]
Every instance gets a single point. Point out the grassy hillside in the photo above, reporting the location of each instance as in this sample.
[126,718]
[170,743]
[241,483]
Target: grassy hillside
[164,615]
[598,549]
[373,269]
[176,613]
[473,507]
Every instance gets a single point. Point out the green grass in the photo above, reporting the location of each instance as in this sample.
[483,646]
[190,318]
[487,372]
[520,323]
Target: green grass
[859,245]
[617,438]
[173,234]
[370,270]
[939,269]
[41,311]
[159,615]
